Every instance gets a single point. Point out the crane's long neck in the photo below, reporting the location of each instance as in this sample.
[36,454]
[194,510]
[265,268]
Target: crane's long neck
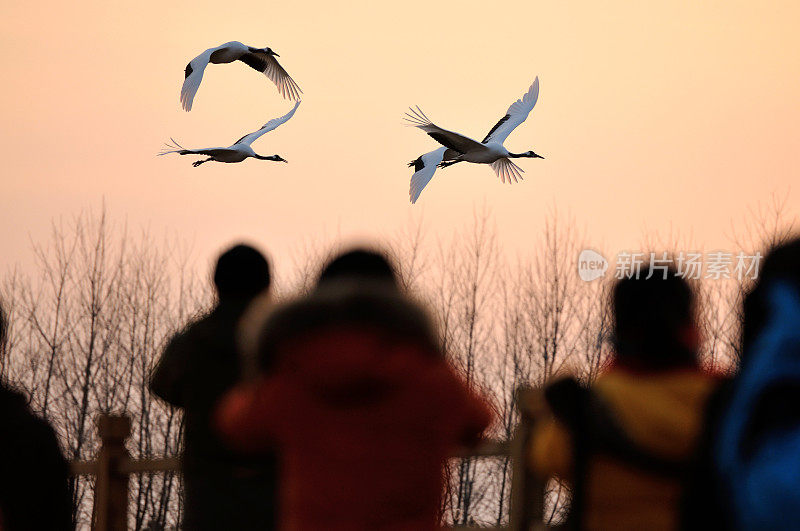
[275,158]
[526,155]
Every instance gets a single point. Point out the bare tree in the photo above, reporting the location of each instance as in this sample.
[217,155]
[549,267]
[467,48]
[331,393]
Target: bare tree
[89,321]
[86,328]
[411,262]
[463,300]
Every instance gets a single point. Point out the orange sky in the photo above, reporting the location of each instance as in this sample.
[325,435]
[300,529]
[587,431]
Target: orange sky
[650,118]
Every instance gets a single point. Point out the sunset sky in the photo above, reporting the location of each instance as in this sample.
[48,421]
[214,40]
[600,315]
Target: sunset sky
[672,116]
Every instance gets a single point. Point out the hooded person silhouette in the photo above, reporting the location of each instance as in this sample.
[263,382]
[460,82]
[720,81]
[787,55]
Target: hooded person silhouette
[358,399]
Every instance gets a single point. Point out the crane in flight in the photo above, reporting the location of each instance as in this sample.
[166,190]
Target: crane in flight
[459,148]
[261,59]
[239,151]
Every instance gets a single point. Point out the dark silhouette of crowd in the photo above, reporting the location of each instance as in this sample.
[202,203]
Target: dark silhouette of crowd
[340,411]
[35,490]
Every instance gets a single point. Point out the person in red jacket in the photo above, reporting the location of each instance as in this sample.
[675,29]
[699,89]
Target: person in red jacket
[360,403]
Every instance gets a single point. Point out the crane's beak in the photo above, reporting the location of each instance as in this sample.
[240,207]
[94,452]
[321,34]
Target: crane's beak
[273,53]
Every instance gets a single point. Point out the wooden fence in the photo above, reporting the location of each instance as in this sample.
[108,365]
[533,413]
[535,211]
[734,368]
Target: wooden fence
[113,467]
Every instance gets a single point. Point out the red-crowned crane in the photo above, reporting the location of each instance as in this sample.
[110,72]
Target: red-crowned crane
[261,59]
[240,150]
[459,148]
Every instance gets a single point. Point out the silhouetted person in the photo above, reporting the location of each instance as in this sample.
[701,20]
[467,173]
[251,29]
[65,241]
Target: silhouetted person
[756,443]
[360,402]
[625,443]
[223,489]
[34,476]
[782,264]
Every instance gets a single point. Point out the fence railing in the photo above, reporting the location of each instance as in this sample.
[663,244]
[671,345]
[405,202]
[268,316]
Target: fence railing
[113,467]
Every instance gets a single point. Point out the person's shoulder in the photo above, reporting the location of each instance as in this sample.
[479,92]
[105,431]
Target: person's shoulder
[437,377]
[621,372]
[194,327]
[12,402]
[22,421]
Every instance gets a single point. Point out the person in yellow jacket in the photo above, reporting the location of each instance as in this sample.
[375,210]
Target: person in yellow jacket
[625,443]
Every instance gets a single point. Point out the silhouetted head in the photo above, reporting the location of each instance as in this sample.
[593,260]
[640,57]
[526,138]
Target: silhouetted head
[241,273]
[269,51]
[533,155]
[654,321]
[359,265]
[781,263]
[278,158]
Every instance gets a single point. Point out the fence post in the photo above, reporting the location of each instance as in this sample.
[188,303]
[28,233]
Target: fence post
[110,512]
[527,492]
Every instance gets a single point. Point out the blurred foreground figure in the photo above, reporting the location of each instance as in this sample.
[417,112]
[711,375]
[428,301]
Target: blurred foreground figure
[625,443]
[223,489]
[359,401]
[757,445]
[34,476]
